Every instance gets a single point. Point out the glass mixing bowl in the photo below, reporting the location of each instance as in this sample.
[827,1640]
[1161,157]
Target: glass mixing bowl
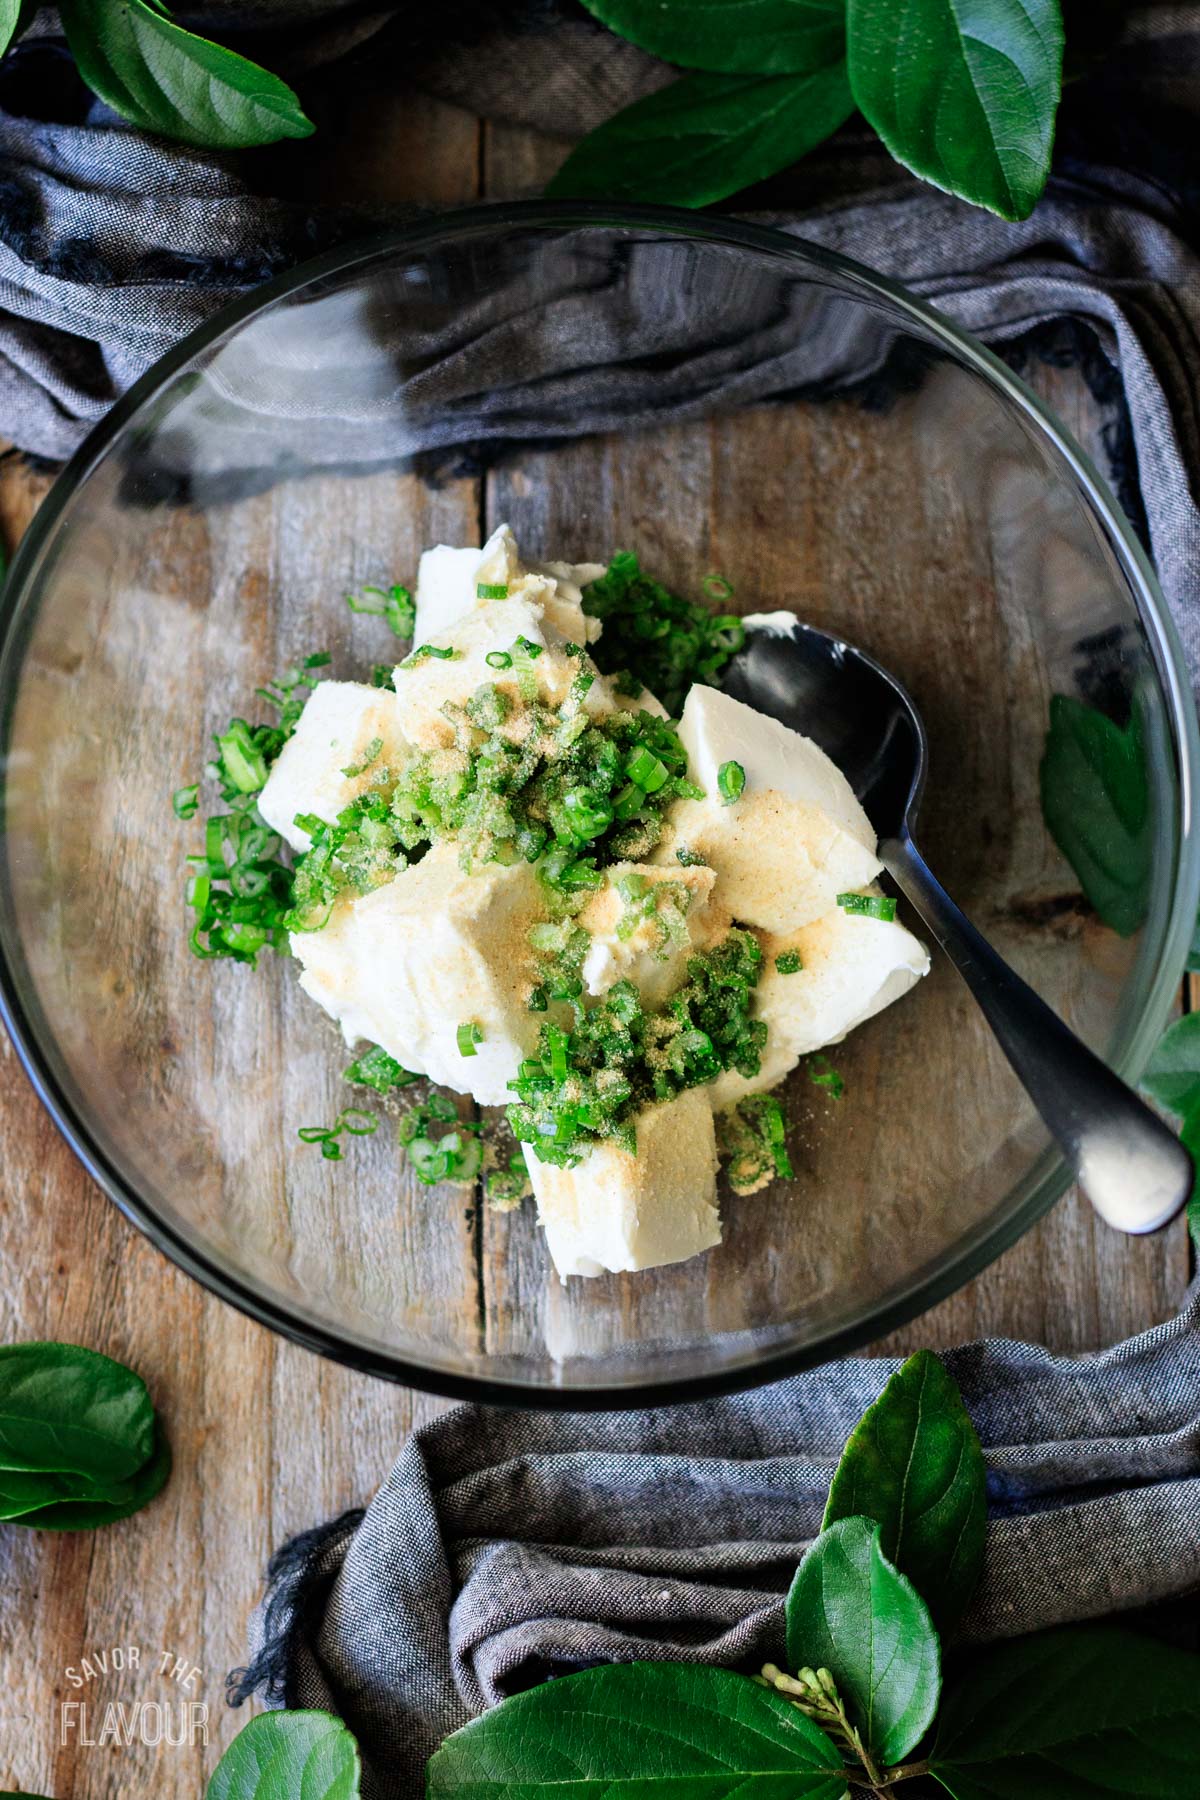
[717,398]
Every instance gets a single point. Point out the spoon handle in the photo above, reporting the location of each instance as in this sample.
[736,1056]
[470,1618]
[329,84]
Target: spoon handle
[1132,1167]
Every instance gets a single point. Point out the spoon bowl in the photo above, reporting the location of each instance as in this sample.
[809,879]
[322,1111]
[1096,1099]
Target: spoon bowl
[1134,1170]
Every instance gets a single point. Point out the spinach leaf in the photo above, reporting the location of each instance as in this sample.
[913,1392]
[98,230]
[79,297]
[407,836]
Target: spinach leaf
[707,136]
[1096,804]
[63,1408]
[1080,1714]
[668,1730]
[166,79]
[913,1464]
[737,37]
[963,92]
[850,1611]
[288,1756]
[89,1509]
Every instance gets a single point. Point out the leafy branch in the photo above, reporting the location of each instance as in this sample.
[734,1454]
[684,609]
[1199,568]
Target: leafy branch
[1087,1713]
[964,93]
[167,80]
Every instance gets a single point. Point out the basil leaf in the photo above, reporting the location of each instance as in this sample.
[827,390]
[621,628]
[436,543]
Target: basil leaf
[1081,1714]
[286,1754]
[1096,804]
[668,1730]
[747,37]
[22,1492]
[963,92]
[1173,1075]
[706,136]
[914,1465]
[165,79]
[66,1408]
[89,1511]
[10,18]
[851,1612]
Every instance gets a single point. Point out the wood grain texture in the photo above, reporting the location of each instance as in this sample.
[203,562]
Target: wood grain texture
[268,1439]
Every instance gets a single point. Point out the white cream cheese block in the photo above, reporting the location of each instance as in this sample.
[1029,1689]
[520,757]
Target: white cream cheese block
[336,729]
[852,968]
[448,583]
[795,838]
[432,950]
[647,937]
[619,1212]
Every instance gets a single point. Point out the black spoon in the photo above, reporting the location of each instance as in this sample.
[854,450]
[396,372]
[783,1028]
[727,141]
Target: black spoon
[1133,1169]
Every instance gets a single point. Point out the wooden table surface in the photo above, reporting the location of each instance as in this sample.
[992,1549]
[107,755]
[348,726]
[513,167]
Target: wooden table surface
[268,1439]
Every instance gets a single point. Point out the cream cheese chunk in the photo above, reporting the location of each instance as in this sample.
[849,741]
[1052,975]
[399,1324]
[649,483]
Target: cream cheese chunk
[644,923]
[796,837]
[619,1212]
[337,728]
[852,968]
[434,949]
[448,583]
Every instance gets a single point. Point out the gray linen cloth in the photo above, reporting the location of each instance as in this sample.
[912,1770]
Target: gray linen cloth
[505,1547]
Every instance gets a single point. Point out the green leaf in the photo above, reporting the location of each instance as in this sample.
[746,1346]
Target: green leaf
[737,37]
[706,137]
[852,1612]
[963,92]
[166,79]
[89,1511]
[667,1730]
[1081,1714]
[1096,804]
[914,1465]
[66,1408]
[1189,1137]
[288,1756]
[1173,1075]
[10,18]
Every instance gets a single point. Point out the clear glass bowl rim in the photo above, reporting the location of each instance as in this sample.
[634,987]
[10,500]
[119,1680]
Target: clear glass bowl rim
[1047,1183]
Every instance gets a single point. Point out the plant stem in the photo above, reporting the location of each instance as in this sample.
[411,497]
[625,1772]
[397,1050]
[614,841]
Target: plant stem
[903,1772]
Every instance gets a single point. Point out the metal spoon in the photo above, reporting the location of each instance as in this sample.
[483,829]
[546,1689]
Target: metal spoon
[1134,1170]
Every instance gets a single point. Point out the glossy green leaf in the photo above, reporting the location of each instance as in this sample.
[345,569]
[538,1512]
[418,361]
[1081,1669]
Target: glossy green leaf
[963,92]
[289,1756]
[706,137]
[1080,1714]
[66,1408]
[633,1731]
[852,1612]
[1096,804]
[1189,1137]
[165,79]
[90,1511]
[10,18]
[914,1465]
[1173,1074]
[754,37]
[22,1492]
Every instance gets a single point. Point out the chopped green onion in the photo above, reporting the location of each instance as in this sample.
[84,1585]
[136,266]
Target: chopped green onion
[572,649]
[423,651]
[717,587]
[491,590]
[468,1036]
[381,675]
[498,659]
[690,859]
[357,1122]
[185,800]
[647,770]
[395,604]
[532,650]
[371,754]
[869,906]
[731,781]
[318,660]
[376,1069]
[789,962]
[241,759]
[538,998]
[822,1074]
